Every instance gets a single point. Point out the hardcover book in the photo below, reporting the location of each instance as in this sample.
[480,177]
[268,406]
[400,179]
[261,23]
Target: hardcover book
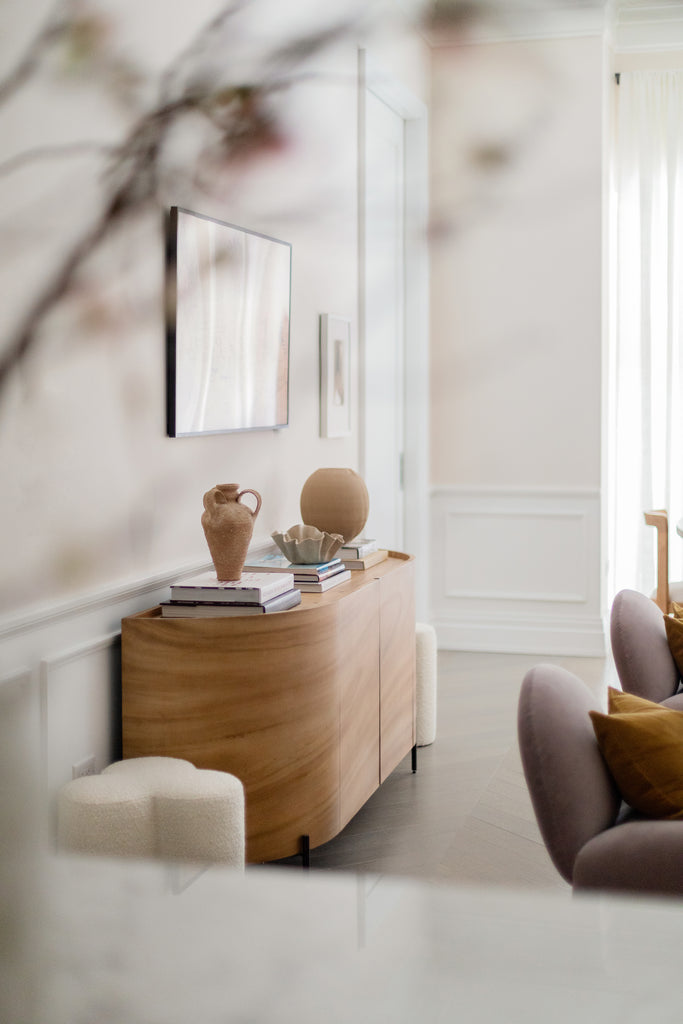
[358,548]
[367,562]
[210,610]
[323,585]
[278,563]
[251,588]
[316,577]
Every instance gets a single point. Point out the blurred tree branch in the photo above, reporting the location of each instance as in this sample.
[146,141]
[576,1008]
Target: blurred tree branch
[52,30]
[237,115]
[65,151]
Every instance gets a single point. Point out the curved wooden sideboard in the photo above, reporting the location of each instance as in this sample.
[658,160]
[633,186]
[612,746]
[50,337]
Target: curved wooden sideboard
[311,708]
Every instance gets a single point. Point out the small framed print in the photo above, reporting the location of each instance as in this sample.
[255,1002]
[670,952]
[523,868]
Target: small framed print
[335,376]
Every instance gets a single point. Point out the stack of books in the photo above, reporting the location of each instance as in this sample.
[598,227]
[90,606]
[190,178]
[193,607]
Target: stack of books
[309,579]
[362,553]
[206,597]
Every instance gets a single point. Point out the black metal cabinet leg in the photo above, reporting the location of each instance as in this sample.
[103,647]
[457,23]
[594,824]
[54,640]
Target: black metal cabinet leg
[306,852]
[413,758]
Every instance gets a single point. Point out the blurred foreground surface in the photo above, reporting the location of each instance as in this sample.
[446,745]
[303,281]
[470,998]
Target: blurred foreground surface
[129,942]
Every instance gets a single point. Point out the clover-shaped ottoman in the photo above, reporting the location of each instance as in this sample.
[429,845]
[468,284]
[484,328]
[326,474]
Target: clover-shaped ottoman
[159,807]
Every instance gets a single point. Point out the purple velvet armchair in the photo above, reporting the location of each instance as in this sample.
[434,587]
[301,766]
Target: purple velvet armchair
[594,840]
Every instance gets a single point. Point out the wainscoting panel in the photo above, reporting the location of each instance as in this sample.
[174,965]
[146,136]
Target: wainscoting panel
[19,729]
[15,701]
[61,682]
[516,571]
[80,701]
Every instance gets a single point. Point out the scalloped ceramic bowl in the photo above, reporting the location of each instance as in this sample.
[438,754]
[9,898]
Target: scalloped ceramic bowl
[307,545]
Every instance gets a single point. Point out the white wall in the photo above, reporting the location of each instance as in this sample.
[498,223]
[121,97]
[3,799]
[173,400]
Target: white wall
[516,344]
[100,510]
[96,491]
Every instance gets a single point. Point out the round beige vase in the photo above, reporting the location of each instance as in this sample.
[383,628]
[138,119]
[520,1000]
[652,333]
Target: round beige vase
[228,525]
[336,501]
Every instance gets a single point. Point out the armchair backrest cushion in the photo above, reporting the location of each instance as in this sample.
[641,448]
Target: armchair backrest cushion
[640,647]
[573,795]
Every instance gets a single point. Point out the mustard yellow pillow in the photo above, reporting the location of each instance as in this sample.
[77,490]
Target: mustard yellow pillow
[674,636]
[618,701]
[644,753]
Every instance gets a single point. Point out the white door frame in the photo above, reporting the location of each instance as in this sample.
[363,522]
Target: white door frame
[416,313]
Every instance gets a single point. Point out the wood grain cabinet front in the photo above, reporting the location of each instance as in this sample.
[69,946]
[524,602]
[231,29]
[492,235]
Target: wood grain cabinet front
[311,708]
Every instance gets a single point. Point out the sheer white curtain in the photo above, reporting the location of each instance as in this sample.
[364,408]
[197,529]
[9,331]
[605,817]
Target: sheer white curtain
[645,434]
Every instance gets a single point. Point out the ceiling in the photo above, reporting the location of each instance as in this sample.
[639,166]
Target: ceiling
[632,25]
[647,24]
[488,20]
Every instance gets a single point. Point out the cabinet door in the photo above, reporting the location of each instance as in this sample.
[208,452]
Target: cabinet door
[257,697]
[358,635]
[397,667]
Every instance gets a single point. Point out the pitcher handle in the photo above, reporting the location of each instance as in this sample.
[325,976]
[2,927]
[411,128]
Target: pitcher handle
[258,501]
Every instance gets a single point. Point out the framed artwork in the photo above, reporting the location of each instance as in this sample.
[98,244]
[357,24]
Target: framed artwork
[228,296]
[335,376]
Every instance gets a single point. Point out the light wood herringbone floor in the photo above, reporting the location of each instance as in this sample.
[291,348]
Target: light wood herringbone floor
[465,816]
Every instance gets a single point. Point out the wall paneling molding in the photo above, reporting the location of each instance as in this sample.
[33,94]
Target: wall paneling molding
[516,570]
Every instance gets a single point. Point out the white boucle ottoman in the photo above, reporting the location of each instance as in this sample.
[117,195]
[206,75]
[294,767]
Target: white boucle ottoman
[425,664]
[159,807]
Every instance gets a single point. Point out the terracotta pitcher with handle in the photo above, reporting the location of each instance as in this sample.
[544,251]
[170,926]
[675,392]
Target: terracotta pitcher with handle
[228,525]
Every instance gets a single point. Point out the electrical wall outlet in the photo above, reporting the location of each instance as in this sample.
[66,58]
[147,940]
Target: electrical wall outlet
[84,767]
